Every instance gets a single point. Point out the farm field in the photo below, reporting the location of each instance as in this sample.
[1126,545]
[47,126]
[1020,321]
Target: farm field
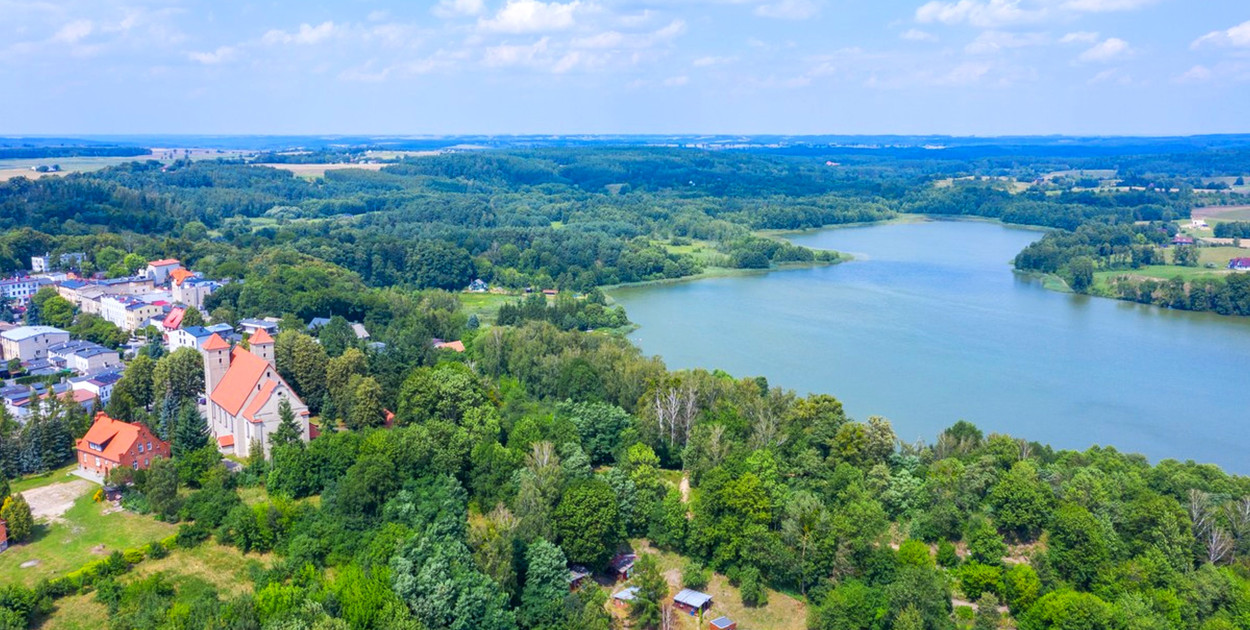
[313,171]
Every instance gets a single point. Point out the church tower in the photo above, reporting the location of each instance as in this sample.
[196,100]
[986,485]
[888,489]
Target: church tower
[216,362]
[261,345]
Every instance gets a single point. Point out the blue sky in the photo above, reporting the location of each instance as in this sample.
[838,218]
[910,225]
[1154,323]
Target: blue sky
[966,67]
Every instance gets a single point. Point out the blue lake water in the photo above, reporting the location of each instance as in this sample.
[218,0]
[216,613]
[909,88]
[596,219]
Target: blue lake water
[930,325]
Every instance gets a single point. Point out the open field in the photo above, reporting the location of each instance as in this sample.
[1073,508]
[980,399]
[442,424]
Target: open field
[319,170]
[20,167]
[485,305]
[226,568]
[87,531]
[1224,213]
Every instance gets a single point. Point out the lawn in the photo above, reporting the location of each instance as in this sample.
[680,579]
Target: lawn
[31,482]
[485,305]
[82,534]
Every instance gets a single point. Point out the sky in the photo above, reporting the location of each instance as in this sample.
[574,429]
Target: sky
[443,67]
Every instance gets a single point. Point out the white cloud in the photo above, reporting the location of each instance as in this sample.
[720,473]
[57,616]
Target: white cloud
[505,55]
[608,40]
[1111,75]
[1108,50]
[789,9]
[531,16]
[979,13]
[917,35]
[676,81]
[74,32]
[1080,37]
[457,8]
[965,74]
[307,34]
[1105,6]
[222,54]
[1237,37]
[993,42]
[1196,74]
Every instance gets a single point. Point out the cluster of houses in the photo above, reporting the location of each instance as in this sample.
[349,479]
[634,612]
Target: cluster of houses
[130,303]
[688,600]
[44,350]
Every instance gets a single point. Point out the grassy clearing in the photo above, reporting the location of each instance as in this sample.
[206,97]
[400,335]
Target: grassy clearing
[82,534]
[226,568]
[31,482]
[76,612]
[485,305]
[313,171]
[783,612]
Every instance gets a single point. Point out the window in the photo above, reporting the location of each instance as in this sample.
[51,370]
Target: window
[97,462]
[149,445]
[140,447]
[135,465]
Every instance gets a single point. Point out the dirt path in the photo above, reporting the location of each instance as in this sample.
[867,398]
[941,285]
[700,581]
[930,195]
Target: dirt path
[50,502]
[684,486]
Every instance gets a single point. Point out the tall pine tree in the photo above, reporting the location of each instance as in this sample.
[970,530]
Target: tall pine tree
[288,432]
[190,432]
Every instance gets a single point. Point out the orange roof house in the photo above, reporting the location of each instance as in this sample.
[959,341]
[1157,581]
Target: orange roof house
[458,346]
[110,443]
[245,394]
[180,274]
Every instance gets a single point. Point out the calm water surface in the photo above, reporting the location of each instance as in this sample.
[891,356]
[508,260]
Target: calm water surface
[930,325]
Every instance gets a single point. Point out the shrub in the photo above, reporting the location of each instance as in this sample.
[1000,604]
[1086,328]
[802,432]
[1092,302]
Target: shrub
[752,590]
[946,555]
[695,575]
[156,550]
[133,556]
[976,578]
[191,535]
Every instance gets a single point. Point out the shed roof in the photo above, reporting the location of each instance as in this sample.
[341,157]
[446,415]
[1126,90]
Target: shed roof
[626,594]
[722,622]
[692,598]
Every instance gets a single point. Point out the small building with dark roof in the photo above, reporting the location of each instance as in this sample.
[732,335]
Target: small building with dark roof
[723,623]
[692,601]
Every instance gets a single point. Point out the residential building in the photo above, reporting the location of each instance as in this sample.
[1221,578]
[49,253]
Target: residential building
[191,291]
[458,346]
[30,342]
[245,394]
[84,357]
[48,262]
[111,443]
[1239,264]
[4,536]
[188,337]
[128,312]
[98,385]
[1181,239]
[158,270]
[251,326]
[21,288]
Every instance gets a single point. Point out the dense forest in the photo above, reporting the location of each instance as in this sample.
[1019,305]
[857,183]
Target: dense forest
[549,443]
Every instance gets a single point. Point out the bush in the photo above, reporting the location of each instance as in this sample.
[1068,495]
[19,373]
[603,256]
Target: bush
[752,590]
[133,556]
[190,536]
[976,578]
[695,575]
[156,551]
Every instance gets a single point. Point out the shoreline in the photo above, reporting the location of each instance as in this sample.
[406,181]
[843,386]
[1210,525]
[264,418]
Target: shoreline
[728,272]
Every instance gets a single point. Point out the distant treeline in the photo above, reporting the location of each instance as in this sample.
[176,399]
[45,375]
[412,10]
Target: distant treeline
[1233,229]
[61,152]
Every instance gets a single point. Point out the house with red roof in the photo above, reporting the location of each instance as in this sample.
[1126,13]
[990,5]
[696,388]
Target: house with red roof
[110,443]
[245,393]
[159,270]
[1239,264]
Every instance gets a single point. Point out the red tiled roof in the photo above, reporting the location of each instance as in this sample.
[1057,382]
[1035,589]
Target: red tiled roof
[225,440]
[215,342]
[164,262]
[261,337]
[458,346]
[178,275]
[240,379]
[266,390]
[174,318]
[82,396]
[113,436]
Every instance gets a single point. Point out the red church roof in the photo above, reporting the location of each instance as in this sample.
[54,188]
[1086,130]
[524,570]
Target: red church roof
[215,342]
[260,336]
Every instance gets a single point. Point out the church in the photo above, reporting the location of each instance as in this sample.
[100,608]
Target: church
[244,391]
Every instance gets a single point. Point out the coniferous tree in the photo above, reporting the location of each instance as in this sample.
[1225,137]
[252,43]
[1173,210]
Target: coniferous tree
[190,432]
[167,418]
[288,432]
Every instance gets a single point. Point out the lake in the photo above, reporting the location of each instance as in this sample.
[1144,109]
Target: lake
[930,325]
